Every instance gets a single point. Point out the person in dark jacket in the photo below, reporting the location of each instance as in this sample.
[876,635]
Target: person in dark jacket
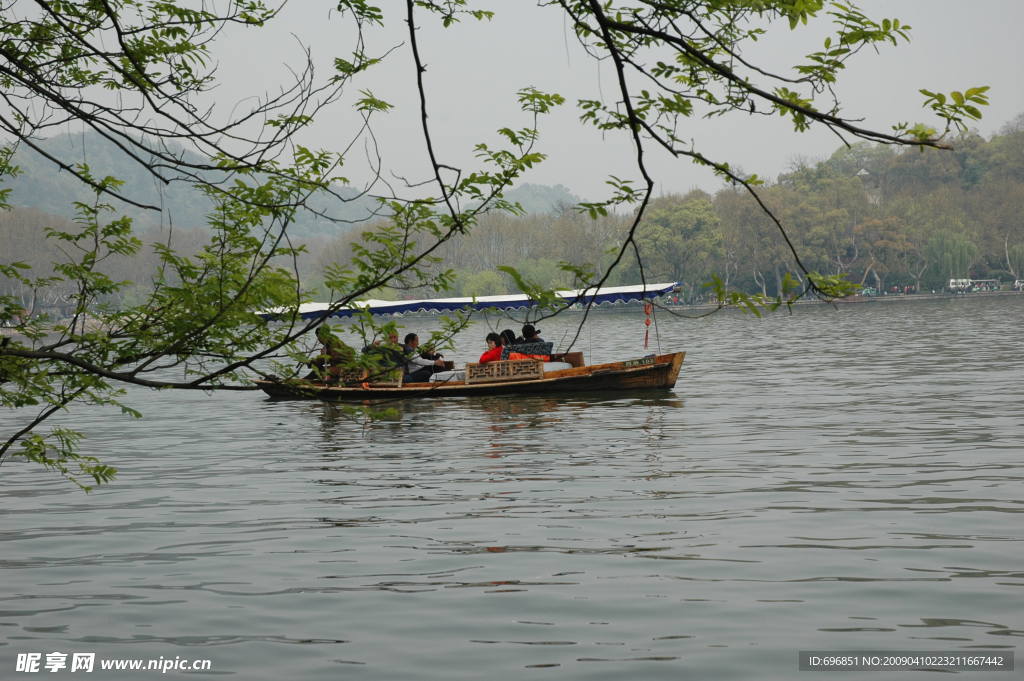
[387,356]
[530,335]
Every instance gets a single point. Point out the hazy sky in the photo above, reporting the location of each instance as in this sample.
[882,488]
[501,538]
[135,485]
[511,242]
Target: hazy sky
[475,69]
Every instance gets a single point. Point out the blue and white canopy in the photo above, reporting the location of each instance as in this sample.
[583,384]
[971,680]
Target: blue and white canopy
[611,294]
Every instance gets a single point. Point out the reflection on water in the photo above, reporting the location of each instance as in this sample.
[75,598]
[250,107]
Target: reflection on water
[844,479]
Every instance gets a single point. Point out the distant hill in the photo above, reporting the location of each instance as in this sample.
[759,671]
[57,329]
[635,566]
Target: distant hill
[44,187]
[41,185]
[540,199]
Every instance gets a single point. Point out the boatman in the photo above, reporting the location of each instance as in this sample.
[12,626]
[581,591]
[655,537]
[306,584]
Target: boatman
[333,358]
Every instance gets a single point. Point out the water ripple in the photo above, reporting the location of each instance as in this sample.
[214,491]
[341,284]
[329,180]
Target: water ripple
[834,479]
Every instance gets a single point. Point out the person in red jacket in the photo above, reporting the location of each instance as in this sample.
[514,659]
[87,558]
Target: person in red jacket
[493,353]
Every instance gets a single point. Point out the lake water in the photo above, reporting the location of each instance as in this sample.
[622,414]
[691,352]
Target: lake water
[834,479]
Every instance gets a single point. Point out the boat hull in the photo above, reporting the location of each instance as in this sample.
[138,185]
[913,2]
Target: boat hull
[657,373]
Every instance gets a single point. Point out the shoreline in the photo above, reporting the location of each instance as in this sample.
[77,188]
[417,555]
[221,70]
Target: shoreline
[860,300]
[10,332]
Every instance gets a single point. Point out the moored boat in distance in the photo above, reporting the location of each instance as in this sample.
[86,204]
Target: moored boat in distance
[507,377]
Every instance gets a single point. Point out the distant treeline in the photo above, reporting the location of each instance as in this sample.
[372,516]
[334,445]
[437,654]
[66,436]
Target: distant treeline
[882,216]
[40,185]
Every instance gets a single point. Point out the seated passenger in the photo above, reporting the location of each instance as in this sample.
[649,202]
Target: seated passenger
[418,367]
[493,353]
[508,337]
[530,335]
[529,347]
[378,346]
[387,356]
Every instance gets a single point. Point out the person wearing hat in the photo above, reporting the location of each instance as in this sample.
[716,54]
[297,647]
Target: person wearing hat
[530,335]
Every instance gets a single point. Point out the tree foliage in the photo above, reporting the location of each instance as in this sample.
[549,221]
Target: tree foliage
[868,225]
[136,73]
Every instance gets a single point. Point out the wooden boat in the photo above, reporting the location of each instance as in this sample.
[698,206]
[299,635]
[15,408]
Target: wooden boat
[510,377]
[506,377]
